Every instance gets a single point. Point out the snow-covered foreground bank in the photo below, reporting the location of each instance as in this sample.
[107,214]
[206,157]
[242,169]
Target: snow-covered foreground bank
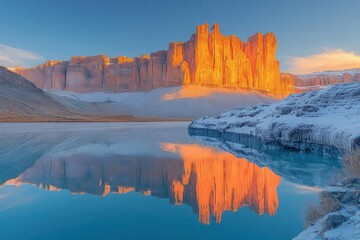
[173,102]
[321,120]
[342,220]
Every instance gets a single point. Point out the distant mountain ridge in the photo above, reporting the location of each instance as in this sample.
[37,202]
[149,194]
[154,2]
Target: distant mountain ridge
[317,80]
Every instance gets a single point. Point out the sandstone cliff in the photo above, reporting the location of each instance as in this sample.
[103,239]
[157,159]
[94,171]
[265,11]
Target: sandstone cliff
[207,59]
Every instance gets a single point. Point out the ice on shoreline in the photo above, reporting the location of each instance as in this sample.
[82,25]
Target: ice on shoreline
[327,118]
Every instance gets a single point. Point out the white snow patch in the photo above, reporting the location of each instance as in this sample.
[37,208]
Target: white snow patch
[327,117]
[349,230]
[173,102]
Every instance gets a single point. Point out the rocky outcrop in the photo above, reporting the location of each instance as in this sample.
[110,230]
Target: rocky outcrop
[207,59]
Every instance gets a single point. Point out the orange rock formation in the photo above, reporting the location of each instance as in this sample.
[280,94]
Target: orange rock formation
[207,59]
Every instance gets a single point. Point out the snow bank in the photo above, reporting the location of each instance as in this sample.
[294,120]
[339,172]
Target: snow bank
[172,102]
[342,222]
[323,120]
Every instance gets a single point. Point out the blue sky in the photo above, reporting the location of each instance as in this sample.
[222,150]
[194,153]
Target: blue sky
[59,29]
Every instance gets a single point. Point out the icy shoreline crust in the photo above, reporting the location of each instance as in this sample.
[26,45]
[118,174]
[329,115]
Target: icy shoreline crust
[326,120]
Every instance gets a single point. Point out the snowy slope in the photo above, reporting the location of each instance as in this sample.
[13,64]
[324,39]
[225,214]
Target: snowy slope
[348,230]
[341,221]
[317,120]
[173,102]
[21,98]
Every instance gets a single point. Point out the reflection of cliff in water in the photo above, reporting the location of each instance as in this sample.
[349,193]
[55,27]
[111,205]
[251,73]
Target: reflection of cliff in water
[216,181]
[98,159]
[309,169]
[209,180]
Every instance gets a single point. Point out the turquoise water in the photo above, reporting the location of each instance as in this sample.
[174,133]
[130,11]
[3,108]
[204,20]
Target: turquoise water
[144,181]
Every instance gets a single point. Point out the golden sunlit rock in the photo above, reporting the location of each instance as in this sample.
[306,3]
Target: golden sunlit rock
[107,190]
[123,190]
[208,58]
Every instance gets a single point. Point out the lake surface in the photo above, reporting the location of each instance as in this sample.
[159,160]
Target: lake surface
[149,181]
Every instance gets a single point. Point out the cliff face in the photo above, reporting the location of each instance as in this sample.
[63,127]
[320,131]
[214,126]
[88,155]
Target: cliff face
[207,59]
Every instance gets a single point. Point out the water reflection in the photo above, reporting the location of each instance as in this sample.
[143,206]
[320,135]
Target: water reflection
[308,169]
[218,181]
[209,180]
[156,159]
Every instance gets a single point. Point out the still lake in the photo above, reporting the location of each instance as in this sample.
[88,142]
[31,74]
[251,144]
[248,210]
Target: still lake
[149,181]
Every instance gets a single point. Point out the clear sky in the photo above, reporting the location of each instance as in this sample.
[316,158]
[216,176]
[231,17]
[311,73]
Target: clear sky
[308,31]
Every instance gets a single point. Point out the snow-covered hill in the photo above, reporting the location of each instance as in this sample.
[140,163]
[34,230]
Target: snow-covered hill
[173,102]
[338,215]
[320,120]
